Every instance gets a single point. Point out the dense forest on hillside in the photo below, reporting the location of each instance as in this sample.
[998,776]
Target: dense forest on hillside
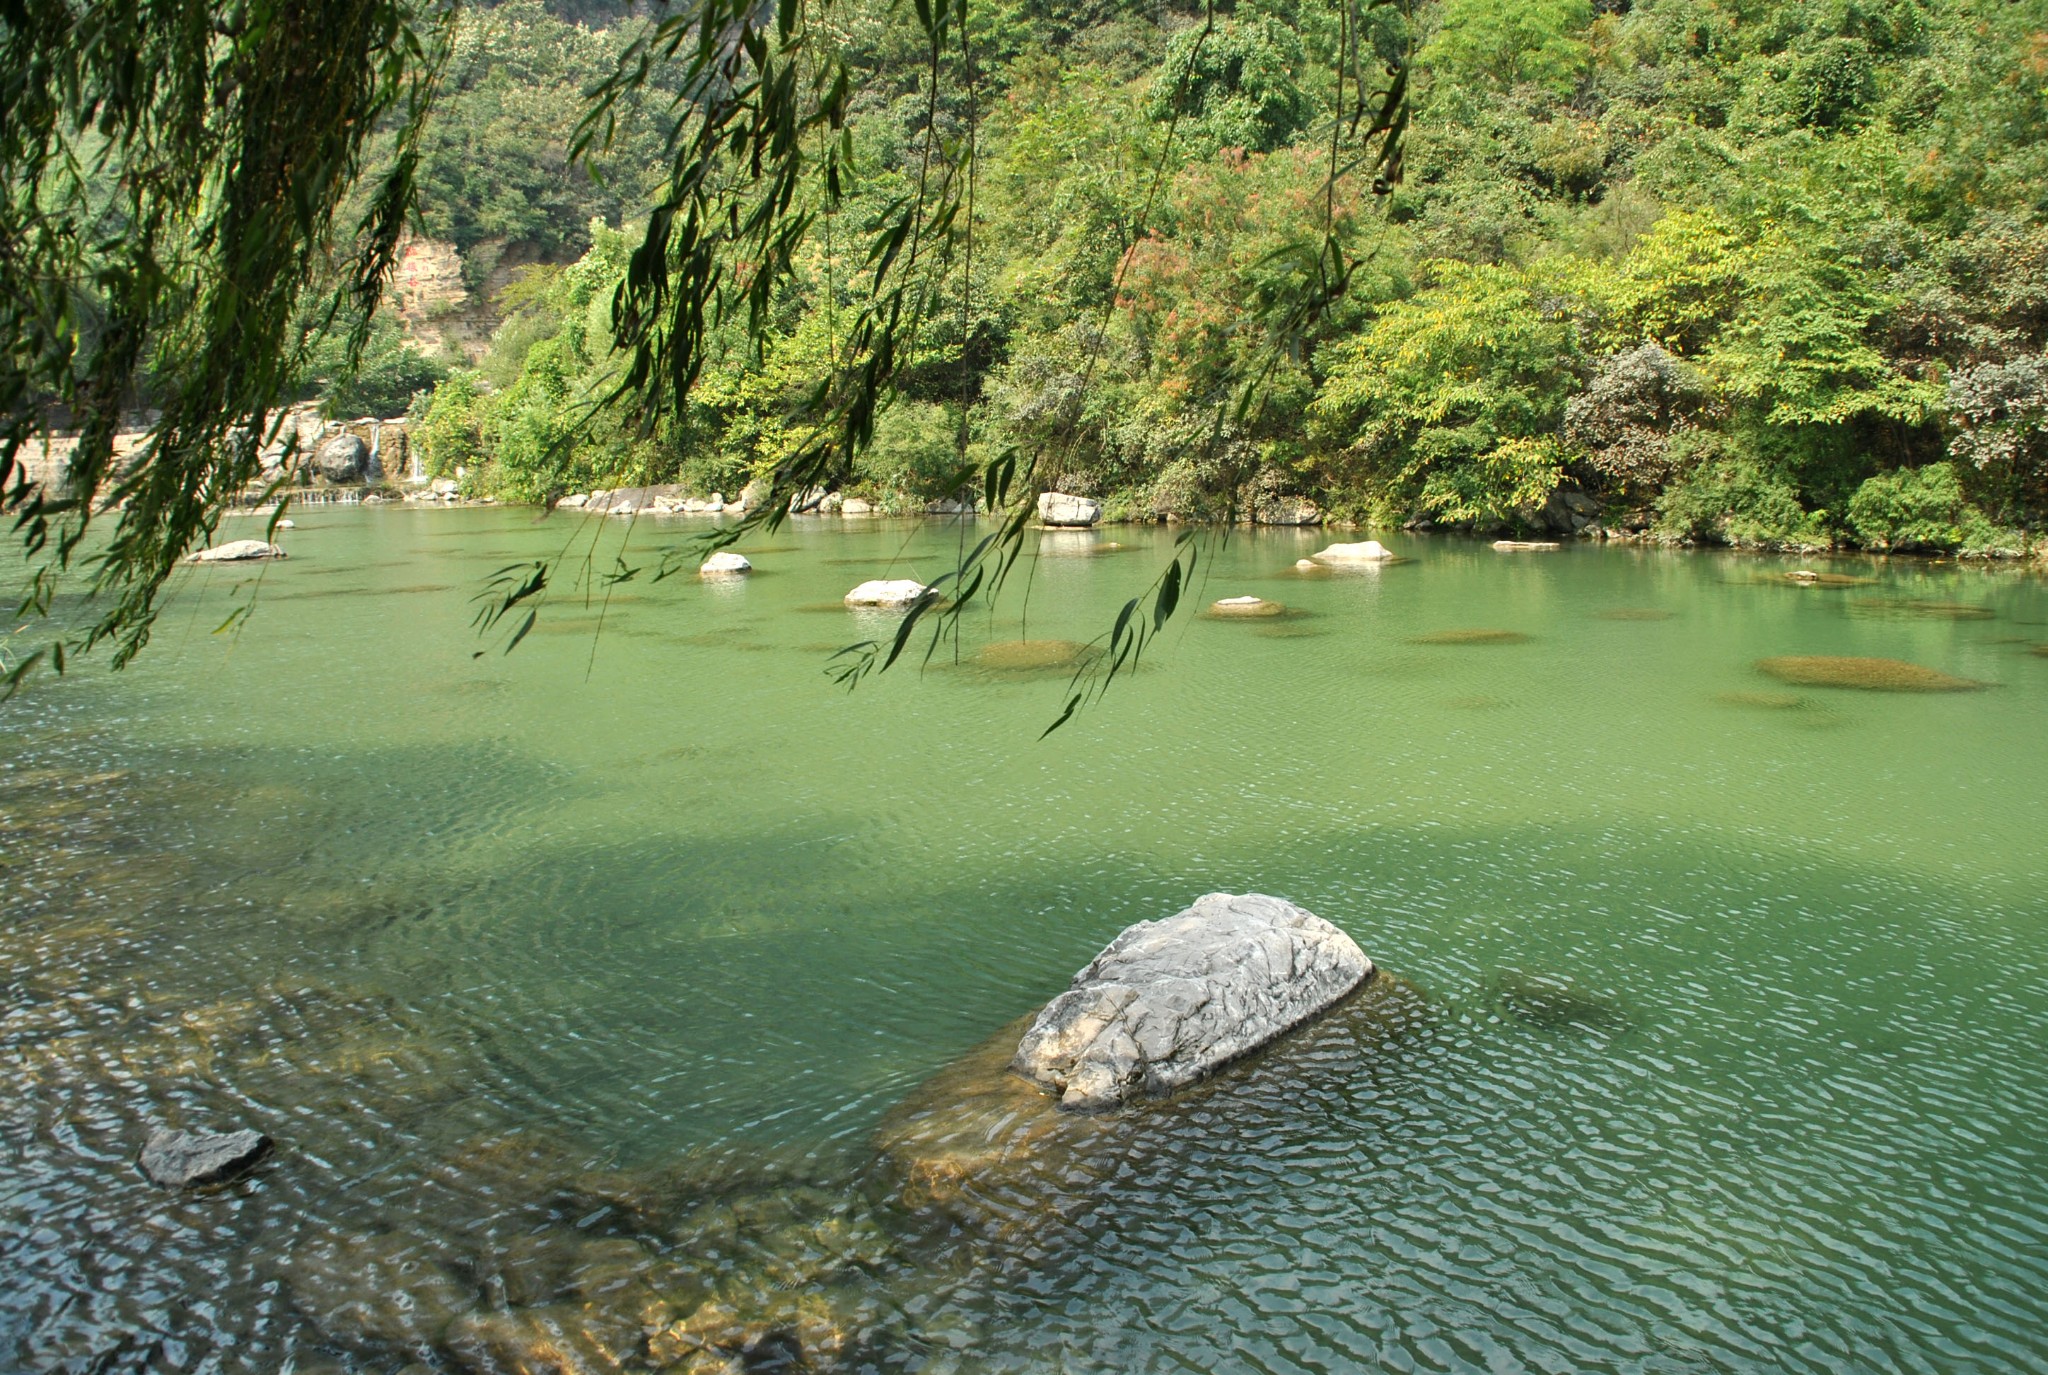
[1768,274]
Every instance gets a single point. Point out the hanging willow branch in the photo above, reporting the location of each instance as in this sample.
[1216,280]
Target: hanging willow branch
[175,171]
[746,189]
[171,178]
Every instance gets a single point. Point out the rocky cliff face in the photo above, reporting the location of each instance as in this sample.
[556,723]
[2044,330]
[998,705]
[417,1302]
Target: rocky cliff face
[434,304]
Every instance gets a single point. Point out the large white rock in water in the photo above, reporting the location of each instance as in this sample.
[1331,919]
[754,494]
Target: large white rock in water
[724,564]
[236,549]
[1366,551]
[1058,508]
[886,592]
[1169,1001]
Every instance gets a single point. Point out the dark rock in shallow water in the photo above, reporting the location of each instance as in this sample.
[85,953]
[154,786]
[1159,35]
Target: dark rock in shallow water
[180,1160]
[1554,1004]
[1169,1001]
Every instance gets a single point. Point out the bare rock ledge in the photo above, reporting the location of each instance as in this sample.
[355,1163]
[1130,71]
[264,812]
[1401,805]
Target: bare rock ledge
[1169,1001]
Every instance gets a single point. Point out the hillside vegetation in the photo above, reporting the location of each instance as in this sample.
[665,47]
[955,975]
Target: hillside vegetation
[1768,274]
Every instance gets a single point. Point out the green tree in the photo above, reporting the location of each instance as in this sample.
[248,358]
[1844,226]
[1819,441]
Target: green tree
[1486,44]
[1450,402]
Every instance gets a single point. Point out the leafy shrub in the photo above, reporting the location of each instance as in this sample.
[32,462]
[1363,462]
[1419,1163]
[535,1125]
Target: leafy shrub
[1732,499]
[1917,508]
[1624,419]
[1451,400]
[916,450]
[1237,85]
[1833,83]
[448,425]
[386,378]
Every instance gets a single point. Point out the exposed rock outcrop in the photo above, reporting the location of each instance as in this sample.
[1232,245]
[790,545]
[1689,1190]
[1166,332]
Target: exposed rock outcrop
[1167,1002]
[1060,508]
[1285,510]
[342,459]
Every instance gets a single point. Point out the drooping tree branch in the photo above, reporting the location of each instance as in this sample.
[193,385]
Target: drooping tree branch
[174,179]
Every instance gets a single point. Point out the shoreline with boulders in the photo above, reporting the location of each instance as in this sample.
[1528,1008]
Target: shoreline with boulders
[1575,519]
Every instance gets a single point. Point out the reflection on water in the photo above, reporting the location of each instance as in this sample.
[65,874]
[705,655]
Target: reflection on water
[651,1015]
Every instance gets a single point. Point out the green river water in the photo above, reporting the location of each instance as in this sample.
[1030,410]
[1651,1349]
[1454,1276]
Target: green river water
[574,985]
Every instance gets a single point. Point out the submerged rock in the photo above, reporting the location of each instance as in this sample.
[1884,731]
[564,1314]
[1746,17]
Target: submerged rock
[1769,701]
[374,1291]
[1366,551]
[1471,637]
[1873,675]
[1554,1004]
[725,564]
[886,592]
[1059,508]
[1908,607]
[565,1339]
[1033,656]
[181,1160]
[978,1152]
[1237,607]
[1806,577]
[235,550]
[1167,1002]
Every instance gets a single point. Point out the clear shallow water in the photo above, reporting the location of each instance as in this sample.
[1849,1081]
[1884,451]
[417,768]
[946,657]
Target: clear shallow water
[575,985]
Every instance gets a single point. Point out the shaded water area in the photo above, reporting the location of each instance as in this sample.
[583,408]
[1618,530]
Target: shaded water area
[638,1001]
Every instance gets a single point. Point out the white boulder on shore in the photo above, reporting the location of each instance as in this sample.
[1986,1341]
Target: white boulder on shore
[1365,551]
[1060,508]
[886,592]
[235,550]
[724,564]
[1170,1001]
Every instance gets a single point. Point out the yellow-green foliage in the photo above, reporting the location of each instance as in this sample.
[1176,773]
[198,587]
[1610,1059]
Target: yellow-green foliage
[1828,220]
